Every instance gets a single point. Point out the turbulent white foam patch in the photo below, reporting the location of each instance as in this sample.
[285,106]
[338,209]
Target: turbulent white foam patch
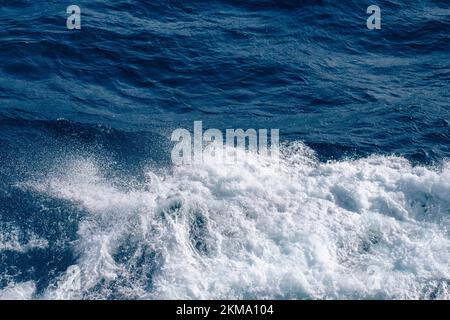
[19,291]
[13,239]
[376,227]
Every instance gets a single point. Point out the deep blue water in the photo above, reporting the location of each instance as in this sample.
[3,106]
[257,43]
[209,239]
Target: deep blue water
[86,117]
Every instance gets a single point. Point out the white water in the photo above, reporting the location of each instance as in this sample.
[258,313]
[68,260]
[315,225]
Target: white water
[12,239]
[369,228]
[20,291]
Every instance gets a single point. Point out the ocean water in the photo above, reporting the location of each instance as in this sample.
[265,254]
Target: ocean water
[91,206]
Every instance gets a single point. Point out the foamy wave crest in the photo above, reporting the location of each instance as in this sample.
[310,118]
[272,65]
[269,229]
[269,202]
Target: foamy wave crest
[376,227]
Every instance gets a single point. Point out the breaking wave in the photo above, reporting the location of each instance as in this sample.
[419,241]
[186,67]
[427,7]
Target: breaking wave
[376,227]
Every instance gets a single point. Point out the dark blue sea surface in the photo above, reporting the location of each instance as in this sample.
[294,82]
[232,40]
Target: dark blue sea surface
[91,206]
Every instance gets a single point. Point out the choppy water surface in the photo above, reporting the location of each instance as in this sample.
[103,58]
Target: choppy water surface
[91,206]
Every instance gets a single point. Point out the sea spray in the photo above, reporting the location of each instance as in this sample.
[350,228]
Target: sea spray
[374,227]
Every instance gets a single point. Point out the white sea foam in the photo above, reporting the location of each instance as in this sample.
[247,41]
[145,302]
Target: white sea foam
[376,227]
[13,239]
[19,291]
